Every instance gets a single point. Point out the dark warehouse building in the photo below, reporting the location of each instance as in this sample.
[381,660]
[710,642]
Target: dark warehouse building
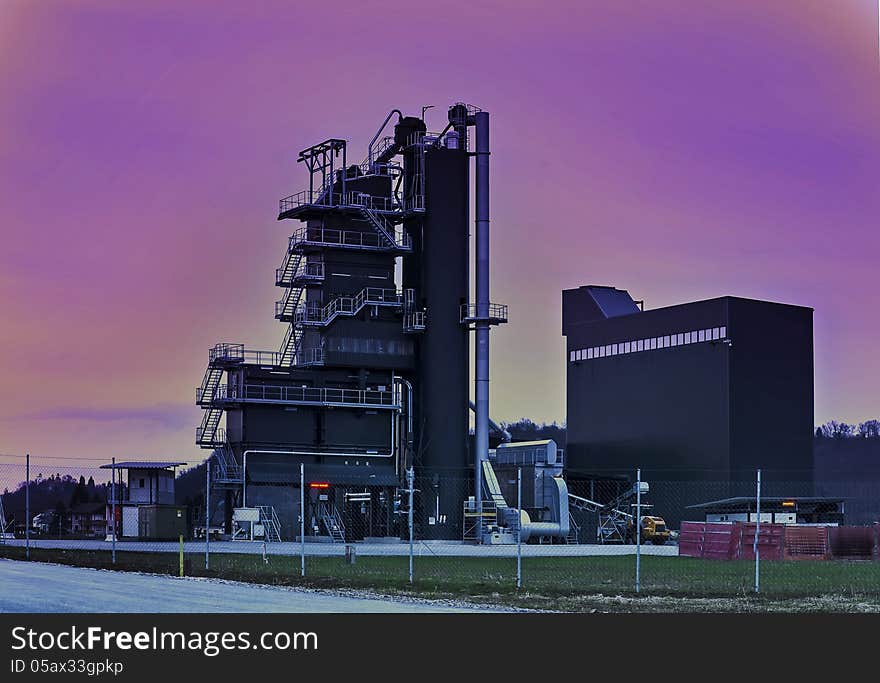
[702,393]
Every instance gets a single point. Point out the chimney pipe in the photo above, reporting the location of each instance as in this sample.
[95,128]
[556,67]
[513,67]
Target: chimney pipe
[481,352]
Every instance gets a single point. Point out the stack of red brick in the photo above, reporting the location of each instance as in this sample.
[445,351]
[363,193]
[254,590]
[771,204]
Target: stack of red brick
[736,540]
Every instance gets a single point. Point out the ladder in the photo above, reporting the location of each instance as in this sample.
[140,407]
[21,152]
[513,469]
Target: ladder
[271,523]
[333,524]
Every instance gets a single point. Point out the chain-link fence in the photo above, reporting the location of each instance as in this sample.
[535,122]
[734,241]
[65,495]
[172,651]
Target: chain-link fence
[672,534]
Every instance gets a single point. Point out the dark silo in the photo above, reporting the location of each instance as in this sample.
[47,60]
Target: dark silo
[438,271]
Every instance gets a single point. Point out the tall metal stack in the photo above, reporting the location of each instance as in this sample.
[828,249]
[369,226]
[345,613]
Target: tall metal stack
[372,373]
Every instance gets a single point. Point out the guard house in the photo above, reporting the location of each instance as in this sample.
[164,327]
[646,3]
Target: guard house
[145,505]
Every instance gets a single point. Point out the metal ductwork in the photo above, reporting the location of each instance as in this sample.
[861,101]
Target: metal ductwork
[501,431]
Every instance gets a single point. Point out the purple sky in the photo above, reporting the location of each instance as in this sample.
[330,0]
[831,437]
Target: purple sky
[681,150]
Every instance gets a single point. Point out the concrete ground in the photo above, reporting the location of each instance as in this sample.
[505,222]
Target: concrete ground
[422,548]
[39,587]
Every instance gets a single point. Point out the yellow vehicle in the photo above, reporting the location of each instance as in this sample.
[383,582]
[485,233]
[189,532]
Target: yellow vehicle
[653,530]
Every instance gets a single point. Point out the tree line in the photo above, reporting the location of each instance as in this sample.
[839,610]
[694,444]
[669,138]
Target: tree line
[525,429]
[869,429]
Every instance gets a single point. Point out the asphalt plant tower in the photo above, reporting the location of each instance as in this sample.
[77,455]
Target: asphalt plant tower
[372,375]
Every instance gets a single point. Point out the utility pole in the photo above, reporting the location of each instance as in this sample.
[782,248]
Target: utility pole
[27,506]
[410,483]
[113,510]
[207,513]
[302,519]
[756,547]
[638,530]
[519,527]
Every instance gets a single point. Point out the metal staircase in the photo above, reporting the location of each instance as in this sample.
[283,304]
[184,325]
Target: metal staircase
[285,308]
[205,393]
[332,523]
[271,523]
[381,225]
[290,345]
[289,267]
[207,433]
[220,358]
[228,470]
[348,306]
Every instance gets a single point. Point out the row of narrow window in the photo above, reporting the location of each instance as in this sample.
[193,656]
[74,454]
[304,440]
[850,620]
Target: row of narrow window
[650,344]
[392,347]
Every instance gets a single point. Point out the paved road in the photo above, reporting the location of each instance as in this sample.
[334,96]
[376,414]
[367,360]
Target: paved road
[39,587]
[422,549]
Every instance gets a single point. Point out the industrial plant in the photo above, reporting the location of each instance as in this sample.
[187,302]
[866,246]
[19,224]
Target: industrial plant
[372,375]
[364,405]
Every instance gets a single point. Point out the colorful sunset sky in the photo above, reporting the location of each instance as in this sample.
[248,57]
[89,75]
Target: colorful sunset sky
[679,149]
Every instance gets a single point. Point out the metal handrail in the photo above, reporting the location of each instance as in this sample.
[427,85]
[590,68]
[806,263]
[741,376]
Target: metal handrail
[384,145]
[286,276]
[226,352]
[312,395]
[310,270]
[496,312]
[388,168]
[313,356]
[347,238]
[420,139]
[322,198]
[415,321]
[348,305]
[219,436]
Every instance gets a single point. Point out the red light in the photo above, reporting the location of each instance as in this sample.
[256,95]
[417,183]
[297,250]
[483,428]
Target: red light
[319,485]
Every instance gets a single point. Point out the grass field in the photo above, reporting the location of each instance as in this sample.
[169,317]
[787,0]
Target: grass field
[568,583]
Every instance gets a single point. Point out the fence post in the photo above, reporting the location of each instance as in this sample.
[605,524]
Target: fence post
[27,506]
[113,510]
[180,555]
[302,519]
[208,514]
[638,523]
[410,483]
[519,527]
[756,547]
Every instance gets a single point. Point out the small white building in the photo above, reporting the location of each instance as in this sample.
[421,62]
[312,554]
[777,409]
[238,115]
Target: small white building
[149,487]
